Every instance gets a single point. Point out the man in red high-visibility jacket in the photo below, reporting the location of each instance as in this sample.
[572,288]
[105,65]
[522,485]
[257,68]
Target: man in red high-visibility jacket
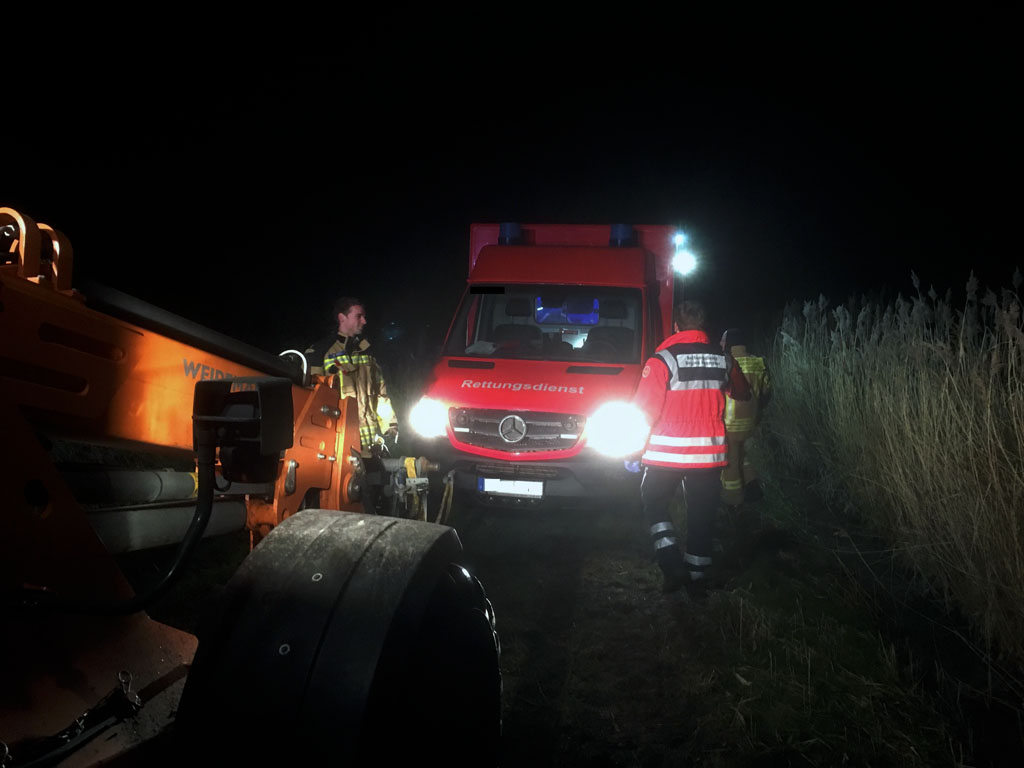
[682,391]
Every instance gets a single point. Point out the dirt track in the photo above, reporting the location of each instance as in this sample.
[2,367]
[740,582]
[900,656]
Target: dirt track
[585,634]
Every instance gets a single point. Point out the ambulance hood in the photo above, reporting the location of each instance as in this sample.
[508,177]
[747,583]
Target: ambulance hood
[532,385]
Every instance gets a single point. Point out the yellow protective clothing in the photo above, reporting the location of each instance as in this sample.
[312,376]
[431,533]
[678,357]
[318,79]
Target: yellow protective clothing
[741,419]
[361,378]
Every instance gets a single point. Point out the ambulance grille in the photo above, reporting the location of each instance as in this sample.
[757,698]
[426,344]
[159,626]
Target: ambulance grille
[514,471]
[543,431]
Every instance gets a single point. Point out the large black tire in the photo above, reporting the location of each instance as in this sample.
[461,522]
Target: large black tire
[348,639]
[446,703]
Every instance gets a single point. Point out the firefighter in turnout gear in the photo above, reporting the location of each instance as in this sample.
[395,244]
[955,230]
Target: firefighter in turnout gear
[739,480]
[344,352]
[682,391]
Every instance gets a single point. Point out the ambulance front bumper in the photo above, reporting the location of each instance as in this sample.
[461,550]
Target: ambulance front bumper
[585,479]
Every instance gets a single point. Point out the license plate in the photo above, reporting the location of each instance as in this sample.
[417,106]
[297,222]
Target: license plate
[531,488]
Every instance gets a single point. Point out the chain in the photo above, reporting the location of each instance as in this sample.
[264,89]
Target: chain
[121,703]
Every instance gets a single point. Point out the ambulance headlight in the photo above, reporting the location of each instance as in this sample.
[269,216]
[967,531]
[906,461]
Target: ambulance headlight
[617,429]
[429,418]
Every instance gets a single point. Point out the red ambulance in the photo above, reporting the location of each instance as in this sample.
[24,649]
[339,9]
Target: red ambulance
[529,403]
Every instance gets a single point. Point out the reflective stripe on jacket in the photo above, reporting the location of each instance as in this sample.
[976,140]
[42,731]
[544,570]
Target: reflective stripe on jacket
[682,391]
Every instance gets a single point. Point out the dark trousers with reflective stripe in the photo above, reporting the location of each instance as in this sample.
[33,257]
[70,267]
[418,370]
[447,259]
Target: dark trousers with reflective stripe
[701,488]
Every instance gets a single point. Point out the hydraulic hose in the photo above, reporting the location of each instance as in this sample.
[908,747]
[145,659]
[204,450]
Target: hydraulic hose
[444,512]
[205,465]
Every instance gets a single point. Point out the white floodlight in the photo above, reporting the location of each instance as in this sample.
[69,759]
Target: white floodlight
[684,262]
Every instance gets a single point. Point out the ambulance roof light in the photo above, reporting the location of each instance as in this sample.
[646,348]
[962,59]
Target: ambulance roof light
[622,236]
[510,233]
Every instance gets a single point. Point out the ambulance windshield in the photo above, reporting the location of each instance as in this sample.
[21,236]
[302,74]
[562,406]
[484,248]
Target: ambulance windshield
[549,322]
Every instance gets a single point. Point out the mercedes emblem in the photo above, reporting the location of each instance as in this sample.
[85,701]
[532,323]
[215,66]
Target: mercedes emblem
[512,429]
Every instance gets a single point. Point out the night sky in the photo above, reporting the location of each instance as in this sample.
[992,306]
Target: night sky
[245,190]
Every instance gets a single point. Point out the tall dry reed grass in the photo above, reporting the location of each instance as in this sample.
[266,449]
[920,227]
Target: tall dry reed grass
[911,412]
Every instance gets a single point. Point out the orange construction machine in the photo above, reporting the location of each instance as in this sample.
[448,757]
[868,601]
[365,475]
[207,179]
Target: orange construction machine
[122,427]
